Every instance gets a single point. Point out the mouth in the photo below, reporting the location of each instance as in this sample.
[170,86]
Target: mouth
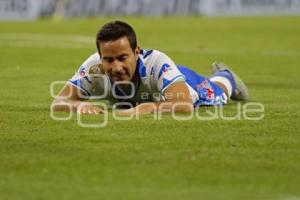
[119,77]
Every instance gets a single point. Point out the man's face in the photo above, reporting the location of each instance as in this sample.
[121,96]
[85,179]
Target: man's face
[118,59]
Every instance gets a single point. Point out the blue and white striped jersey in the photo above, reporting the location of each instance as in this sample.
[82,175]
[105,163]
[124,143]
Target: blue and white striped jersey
[156,72]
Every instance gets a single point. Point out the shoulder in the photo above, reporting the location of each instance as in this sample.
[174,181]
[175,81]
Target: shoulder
[146,62]
[154,63]
[157,70]
[152,56]
[152,60]
[93,60]
[92,65]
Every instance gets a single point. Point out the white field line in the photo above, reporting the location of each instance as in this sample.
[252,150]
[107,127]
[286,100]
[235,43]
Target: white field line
[240,52]
[28,40]
[45,37]
[30,44]
[31,40]
[291,198]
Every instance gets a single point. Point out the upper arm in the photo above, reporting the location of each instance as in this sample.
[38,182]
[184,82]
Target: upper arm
[88,81]
[169,81]
[165,73]
[178,92]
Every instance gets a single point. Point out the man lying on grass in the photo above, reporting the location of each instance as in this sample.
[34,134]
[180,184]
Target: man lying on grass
[146,79]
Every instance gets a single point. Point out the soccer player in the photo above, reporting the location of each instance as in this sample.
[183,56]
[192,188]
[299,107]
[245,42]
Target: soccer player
[123,73]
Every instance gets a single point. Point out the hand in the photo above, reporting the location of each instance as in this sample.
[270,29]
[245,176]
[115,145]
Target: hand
[142,109]
[89,109]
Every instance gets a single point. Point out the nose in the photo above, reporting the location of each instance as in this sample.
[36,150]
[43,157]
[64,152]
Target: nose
[117,67]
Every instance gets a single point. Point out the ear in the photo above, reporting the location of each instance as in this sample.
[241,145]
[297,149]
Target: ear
[99,53]
[137,51]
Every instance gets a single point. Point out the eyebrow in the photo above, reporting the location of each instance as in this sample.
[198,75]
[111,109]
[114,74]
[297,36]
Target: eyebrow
[119,56]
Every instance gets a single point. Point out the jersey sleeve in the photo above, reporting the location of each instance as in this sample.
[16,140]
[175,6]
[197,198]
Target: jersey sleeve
[165,73]
[89,79]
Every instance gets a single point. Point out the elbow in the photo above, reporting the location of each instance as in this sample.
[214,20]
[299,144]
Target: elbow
[188,108]
[60,105]
[55,105]
[184,107]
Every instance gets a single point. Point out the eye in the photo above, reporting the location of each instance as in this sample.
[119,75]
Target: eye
[108,60]
[122,58]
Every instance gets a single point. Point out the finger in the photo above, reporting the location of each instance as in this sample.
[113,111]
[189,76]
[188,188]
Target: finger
[80,111]
[90,111]
[84,110]
[96,112]
[103,111]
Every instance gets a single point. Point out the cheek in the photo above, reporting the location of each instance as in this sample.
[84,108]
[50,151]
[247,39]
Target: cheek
[133,63]
[106,67]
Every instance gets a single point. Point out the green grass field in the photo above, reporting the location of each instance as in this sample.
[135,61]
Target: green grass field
[41,158]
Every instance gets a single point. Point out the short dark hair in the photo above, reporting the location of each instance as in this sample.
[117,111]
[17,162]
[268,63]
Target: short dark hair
[115,30]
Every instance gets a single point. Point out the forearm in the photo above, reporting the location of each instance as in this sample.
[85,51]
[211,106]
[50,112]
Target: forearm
[159,107]
[178,107]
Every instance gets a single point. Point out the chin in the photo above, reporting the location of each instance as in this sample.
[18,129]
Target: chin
[122,78]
